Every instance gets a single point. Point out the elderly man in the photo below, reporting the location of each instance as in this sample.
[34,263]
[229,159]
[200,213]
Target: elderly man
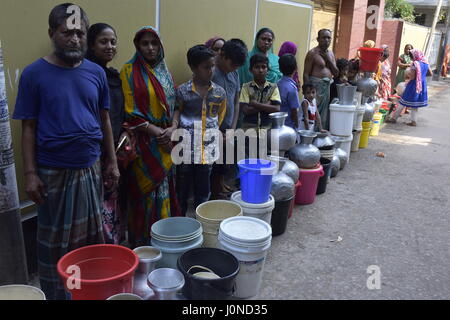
[63,102]
[320,68]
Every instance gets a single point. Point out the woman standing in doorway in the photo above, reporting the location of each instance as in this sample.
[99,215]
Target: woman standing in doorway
[149,104]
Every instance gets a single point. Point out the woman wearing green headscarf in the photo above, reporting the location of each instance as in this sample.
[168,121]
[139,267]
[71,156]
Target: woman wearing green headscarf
[263,44]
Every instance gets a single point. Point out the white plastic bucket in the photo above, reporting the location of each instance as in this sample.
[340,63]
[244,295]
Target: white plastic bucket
[356,140]
[211,214]
[346,144]
[21,292]
[261,211]
[358,118]
[249,240]
[174,236]
[341,119]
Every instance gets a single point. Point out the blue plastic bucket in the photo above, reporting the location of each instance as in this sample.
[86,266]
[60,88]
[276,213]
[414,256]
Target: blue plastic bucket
[256,179]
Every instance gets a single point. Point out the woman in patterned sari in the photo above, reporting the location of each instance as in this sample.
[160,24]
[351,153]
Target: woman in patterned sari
[149,93]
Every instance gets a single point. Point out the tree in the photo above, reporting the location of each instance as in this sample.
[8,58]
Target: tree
[399,9]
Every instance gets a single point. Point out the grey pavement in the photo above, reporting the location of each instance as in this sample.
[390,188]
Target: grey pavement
[391,212]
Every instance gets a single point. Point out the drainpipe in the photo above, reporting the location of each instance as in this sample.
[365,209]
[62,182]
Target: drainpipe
[13,265]
[433,28]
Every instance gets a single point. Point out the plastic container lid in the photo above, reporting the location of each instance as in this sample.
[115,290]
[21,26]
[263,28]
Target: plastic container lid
[176,228]
[340,107]
[342,138]
[247,230]
[266,167]
[237,197]
[319,168]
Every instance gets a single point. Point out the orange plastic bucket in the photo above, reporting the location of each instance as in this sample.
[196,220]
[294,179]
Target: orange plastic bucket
[369,58]
[104,270]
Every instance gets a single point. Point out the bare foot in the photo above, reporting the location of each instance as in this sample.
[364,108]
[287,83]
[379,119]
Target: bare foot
[391,120]
[412,124]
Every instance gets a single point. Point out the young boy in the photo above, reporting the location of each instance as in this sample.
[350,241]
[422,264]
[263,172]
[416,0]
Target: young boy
[259,98]
[310,115]
[288,90]
[201,105]
[231,56]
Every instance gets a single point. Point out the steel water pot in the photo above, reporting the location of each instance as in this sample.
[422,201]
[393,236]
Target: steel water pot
[285,135]
[305,154]
[323,141]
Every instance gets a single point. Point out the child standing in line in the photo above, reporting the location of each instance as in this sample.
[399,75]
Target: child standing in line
[343,66]
[288,90]
[201,105]
[310,115]
[259,98]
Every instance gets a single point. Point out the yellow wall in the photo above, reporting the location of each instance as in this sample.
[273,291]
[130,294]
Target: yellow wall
[189,22]
[289,23]
[183,23]
[322,20]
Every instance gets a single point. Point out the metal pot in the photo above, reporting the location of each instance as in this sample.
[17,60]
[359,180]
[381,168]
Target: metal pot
[323,141]
[292,170]
[335,166]
[305,154]
[369,109]
[283,187]
[346,94]
[148,256]
[367,85]
[165,283]
[285,135]
[340,153]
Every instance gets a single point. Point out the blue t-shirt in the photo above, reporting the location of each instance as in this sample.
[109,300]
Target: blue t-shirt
[66,103]
[289,98]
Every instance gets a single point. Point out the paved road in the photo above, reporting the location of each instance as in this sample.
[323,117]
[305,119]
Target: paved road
[391,212]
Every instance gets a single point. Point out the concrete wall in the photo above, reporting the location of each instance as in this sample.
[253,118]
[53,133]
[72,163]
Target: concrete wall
[392,36]
[352,24]
[183,23]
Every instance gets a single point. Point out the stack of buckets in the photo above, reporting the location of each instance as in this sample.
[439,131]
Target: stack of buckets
[357,122]
[370,58]
[342,116]
[249,237]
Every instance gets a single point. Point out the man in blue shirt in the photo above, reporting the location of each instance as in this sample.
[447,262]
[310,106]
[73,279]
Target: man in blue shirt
[63,103]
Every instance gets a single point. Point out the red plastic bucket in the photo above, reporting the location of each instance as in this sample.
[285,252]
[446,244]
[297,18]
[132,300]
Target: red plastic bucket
[291,209]
[369,59]
[309,178]
[104,270]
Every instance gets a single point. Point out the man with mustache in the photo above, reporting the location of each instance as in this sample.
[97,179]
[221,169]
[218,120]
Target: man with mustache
[63,102]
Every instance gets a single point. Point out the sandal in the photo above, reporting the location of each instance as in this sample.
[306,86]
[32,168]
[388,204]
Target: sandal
[412,124]
[391,121]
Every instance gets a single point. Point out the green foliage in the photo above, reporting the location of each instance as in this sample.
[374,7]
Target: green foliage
[399,9]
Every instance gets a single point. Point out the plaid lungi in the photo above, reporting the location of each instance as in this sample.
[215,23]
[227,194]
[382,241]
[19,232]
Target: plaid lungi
[70,218]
